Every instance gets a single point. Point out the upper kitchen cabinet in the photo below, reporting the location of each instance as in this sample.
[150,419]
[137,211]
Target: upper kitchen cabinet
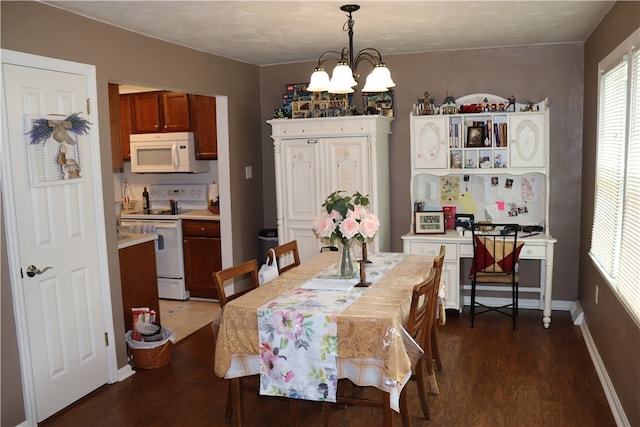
[203,123]
[114,127]
[160,112]
[125,126]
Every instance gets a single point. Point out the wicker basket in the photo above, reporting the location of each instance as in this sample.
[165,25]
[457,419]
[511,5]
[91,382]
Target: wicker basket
[151,358]
[151,355]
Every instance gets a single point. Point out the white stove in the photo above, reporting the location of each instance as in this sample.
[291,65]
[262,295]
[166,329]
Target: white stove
[161,220]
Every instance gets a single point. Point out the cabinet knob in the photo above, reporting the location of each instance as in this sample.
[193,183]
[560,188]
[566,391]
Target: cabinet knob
[201,228]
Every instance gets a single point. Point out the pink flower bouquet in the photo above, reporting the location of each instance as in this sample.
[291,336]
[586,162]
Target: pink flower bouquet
[345,218]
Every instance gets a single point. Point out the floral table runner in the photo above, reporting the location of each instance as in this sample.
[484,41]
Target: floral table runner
[298,334]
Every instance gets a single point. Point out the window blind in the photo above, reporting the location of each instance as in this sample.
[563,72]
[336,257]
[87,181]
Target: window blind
[615,236]
[610,168]
[628,280]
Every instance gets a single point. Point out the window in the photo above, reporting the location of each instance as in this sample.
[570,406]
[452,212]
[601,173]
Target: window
[615,236]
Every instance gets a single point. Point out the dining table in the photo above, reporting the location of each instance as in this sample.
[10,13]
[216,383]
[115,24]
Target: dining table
[307,328]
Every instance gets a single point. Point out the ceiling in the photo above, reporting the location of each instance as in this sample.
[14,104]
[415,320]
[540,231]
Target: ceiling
[276,32]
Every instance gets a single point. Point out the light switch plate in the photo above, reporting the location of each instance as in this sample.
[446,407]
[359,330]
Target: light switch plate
[248,172]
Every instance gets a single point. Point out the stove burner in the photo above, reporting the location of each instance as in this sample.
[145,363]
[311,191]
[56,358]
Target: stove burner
[158,211]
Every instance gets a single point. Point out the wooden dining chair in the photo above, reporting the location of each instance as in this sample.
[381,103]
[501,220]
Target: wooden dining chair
[420,315]
[432,348]
[286,251]
[245,273]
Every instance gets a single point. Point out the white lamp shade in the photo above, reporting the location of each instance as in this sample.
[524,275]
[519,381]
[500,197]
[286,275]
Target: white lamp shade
[342,80]
[382,76]
[319,81]
[373,85]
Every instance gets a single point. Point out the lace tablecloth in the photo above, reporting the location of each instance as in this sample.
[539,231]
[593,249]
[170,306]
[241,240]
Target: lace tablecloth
[370,348]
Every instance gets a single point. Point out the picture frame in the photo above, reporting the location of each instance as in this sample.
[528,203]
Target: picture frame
[429,222]
[475,136]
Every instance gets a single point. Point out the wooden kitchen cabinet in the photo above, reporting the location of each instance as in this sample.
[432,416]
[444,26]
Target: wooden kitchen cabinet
[161,111]
[138,280]
[203,123]
[202,256]
[115,127]
[125,127]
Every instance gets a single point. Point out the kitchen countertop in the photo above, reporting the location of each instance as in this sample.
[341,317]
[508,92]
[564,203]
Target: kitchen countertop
[135,239]
[201,214]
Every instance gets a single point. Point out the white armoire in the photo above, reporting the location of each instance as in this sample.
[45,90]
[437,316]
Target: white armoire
[314,157]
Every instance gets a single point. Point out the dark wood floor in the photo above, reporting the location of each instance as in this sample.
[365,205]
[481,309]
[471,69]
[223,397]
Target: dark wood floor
[492,376]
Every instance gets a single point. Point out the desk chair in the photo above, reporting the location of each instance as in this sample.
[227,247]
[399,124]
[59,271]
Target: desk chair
[496,251]
[421,314]
[285,251]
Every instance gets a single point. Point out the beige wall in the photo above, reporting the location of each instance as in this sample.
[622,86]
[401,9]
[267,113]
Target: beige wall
[123,57]
[614,332]
[530,74]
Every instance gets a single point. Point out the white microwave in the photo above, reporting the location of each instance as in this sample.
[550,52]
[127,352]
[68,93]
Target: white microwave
[165,153]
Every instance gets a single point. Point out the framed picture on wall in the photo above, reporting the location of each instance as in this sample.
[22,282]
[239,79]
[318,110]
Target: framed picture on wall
[429,222]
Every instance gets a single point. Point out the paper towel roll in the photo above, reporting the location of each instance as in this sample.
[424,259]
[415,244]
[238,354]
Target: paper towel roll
[213,192]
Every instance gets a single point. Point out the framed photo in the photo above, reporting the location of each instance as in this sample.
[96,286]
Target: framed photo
[429,222]
[475,136]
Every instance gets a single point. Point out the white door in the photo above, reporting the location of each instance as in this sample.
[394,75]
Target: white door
[54,224]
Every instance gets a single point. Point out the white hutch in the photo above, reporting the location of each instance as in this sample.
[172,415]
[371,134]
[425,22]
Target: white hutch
[316,156]
[491,163]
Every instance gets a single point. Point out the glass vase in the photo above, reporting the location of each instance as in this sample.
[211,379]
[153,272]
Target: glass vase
[346,260]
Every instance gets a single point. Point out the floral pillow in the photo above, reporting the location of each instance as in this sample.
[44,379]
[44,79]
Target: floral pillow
[494,255]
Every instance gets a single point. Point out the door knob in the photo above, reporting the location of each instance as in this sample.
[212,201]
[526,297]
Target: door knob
[32,270]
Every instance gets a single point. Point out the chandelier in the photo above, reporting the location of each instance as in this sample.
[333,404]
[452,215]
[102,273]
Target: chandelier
[343,78]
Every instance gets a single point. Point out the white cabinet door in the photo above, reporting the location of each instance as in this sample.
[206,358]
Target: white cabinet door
[347,165]
[527,135]
[430,142]
[301,180]
[452,289]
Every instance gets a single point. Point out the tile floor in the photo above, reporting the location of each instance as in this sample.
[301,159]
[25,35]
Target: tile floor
[186,317]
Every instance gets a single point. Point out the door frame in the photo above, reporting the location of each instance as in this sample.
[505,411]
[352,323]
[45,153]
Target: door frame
[11,226]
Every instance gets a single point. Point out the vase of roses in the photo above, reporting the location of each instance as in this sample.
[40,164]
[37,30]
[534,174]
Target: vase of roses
[345,218]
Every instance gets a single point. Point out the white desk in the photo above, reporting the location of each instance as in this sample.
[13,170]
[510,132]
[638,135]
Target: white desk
[536,247]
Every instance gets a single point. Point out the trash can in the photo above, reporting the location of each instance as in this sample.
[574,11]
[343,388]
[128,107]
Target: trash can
[268,238]
[151,355]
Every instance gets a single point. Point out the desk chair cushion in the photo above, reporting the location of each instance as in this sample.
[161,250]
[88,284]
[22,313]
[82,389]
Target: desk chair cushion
[494,255]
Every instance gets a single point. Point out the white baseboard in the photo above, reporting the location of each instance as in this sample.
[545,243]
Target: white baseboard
[577,315]
[609,391]
[125,372]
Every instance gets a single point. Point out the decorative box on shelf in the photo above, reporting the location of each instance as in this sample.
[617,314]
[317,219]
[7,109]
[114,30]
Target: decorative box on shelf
[378,103]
